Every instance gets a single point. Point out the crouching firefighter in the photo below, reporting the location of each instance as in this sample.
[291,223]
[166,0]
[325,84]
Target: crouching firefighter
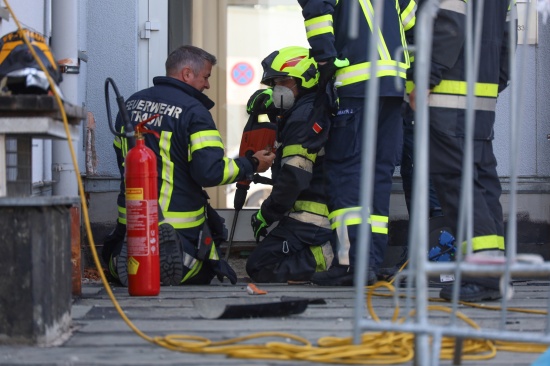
[300,244]
[190,156]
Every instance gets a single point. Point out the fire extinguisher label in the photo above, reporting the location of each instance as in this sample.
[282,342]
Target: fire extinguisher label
[142,227]
[133,266]
[134,194]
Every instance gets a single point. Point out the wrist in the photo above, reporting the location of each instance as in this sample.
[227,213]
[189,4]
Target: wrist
[255,163]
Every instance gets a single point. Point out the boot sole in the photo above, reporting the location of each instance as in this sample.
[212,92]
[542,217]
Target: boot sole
[340,281]
[122,265]
[171,257]
[488,295]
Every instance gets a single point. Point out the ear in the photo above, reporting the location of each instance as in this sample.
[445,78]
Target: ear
[186,74]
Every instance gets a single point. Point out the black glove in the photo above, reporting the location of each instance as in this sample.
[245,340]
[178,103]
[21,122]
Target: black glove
[261,102]
[112,244]
[259,225]
[222,269]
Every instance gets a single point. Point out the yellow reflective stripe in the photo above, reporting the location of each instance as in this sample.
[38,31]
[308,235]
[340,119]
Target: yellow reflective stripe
[195,268]
[202,139]
[317,252]
[457,87]
[167,171]
[368,12]
[361,72]
[184,220]
[213,253]
[310,218]
[117,142]
[230,171]
[461,102]
[121,215]
[408,16]
[409,86]
[298,150]
[319,25]
[379,224]
[351,215]
[458,6]
[298,162]
[310,206]
[487,242]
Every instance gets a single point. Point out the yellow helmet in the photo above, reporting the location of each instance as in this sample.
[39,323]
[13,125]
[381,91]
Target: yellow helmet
[291,61]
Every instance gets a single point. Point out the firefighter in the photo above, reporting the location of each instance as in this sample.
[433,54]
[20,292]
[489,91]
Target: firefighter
[447,110]
[338,55]
[190,156]
[300,244]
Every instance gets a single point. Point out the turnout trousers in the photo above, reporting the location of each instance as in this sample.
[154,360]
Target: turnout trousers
[343,153]
[291,251]
[446,154]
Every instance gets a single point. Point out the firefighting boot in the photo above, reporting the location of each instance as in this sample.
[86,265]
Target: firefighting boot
[171,256]
[339,275]
[476,289]
[121,265]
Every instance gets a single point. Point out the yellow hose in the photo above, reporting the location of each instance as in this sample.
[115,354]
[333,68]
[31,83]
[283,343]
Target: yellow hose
[376,348]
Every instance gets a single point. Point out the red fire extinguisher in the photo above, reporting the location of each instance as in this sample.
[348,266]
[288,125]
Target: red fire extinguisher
[142,217]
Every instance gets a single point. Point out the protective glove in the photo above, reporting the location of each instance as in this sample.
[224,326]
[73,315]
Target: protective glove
[261,102]
[222,269]
[259,225]
[315,136]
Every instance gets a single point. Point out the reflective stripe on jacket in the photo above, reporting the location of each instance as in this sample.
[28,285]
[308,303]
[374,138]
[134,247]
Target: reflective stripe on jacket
[190,152]
[327,28]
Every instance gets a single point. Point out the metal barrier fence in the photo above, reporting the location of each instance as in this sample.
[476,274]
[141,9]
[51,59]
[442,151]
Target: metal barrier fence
[428,335]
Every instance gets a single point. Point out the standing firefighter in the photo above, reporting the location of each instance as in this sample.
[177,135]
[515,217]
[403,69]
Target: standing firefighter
[447,102]
[338,55]
[300,244]
[190,156]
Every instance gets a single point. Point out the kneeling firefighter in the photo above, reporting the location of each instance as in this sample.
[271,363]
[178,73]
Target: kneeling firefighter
[190,156]
[300,244]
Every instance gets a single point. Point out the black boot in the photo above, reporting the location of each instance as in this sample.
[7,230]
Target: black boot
[474,290]
[339,275]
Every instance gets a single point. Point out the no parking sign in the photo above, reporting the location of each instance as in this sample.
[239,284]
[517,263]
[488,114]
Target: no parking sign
[242,73]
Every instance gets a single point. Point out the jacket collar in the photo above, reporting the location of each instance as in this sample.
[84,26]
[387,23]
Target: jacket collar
[170,81]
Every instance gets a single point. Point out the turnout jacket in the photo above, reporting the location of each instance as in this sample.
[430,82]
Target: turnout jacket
[190,152]
[297,175]
[327,27]
[448,64]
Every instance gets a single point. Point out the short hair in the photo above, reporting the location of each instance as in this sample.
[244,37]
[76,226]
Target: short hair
[188,56]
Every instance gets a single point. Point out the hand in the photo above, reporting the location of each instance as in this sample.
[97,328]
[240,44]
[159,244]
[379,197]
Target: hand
[222,269]
[412,99]
[265,160]
[261,102]
[259,225]
[327,69]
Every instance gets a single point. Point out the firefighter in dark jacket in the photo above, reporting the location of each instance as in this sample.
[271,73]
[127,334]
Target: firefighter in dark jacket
[190,156]
[345,58]
[300,244]
[447,103]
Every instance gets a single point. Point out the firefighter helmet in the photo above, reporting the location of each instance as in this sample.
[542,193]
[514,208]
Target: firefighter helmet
[291,61]
[20,73]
